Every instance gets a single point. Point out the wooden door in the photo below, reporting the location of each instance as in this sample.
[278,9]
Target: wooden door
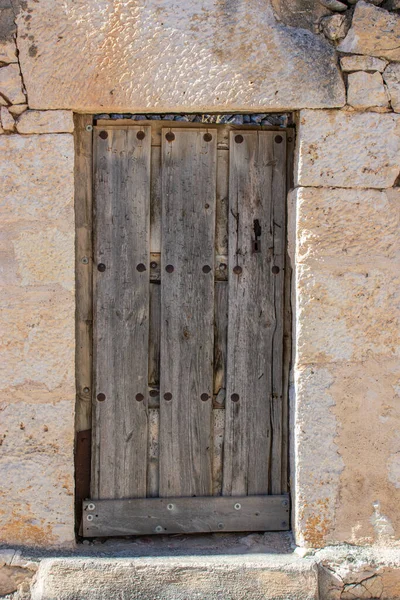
[189,433]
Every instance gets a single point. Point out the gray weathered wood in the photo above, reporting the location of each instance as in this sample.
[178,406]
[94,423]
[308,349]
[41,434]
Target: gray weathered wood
[187,312]
[185,515]
[253,426]
[83,247]
[121,310]
[153,455]
[220,342]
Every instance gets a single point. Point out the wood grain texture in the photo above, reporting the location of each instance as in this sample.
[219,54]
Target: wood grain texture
[185,515]
[254,373]
[122,224]
[83,263]
[187,312]
[220,342]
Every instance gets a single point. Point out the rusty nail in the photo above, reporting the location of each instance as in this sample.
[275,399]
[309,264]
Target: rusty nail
[278,139]
[141,267]
[235,397]
[237,270]
[170,136]
[206,269]
[207,137]
[140,135]
[154,393]
[101,397]
[238,139]
[169,268]
[275,270]
[204,397]
[168,396]
[103,135]
[139,397]
[153,265]
[86,390]
[101,267]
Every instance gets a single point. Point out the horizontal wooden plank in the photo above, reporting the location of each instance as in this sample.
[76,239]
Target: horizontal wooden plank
[185,515]
[220,267]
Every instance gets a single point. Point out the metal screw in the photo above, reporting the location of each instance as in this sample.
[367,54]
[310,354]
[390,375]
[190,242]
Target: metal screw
[238,139]
[207,137]
[170,136]
[101,267]
[89,128]
[275,270]
[237,270]
[235,397]
[237,506]
[168,396]
[85,260]
[206,269]
[278,139]
[204,397]
[139,397]
[101,397]
[86,390]
[141,267]
[220,525]
[285,503]
[90,517]
[140,135]
[170,506]
[91,507]
[169,269]
[158,529]
[103,135]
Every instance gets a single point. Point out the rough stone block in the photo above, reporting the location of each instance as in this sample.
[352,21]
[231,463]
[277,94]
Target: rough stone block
[337,225]
[37,179]
[8,51]
[374,31]
[348,149]
[123,56]
[392,80]
[11,84]
[7,120]
[334,27]
[49,121]
[362,63]
[366,90]
[36,470]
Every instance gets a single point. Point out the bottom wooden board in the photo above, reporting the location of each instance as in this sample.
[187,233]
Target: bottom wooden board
[103,518]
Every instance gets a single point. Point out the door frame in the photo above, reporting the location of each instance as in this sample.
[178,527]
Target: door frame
[84,290]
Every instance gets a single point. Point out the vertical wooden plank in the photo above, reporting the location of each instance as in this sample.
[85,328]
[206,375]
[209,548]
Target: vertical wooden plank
[154,335]
[187,311]
[220,342]
[153,453]
[253,414]
[121,311]
[83,247]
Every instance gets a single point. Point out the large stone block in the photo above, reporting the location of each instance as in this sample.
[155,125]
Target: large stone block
[37,178]
[374,31]
[338,225]
[36,471]
[366,90]
[392,80]
[348,149]
[48,121]
[11,84]
[129,56]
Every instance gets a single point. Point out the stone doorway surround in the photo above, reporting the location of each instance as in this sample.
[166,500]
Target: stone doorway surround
[342,87]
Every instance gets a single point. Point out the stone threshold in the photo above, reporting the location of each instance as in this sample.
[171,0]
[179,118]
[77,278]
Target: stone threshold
[210,567]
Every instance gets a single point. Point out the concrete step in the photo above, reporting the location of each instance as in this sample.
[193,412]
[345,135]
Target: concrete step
[222,577]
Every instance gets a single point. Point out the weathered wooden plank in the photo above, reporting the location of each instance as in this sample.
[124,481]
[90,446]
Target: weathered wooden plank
[220,342]
[121,309]
[153,453]
[155,201]
[83,247]
[257,199]
[185,515]
[154,335]
[218,450]
[187,311]
[221,225]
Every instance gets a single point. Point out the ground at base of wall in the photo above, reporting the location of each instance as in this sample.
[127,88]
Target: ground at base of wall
[216,567]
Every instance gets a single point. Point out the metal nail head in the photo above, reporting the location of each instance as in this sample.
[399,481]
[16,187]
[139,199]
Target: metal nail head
[168,396]
[169,268]
[275,270]
[101,397]
[204,397]
[238,139]
[237,270]
[237,506]
[158,529]
[235,397]
[101,267]
[89,128]
[85,260]
[139,397]
[140,135]
[141,267]
[206,269]
[91,506]
[207,137]
[278,139]
[170,136]
[103,135]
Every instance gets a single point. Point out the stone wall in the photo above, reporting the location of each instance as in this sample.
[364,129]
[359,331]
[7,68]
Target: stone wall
[337,64]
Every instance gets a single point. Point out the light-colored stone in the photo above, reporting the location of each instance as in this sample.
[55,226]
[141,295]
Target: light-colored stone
[17,109]
[118,55]
[48,121]
[348,149]
[366,90]
[362,63]
[392,80]
[254,577]
[11,84]
[338,226]
[374,31]
[8,51]
[335,27]
[7,120]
